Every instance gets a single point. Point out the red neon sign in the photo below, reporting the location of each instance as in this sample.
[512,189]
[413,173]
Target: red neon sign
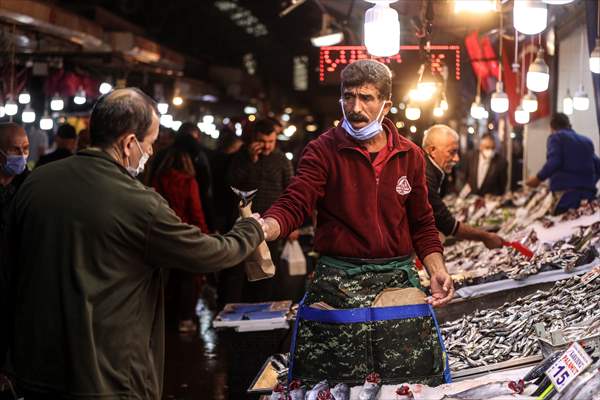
[333,58]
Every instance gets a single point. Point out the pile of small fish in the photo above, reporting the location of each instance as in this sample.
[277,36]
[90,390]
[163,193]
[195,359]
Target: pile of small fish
[479,265]
[495,335]
[512,211]
[579,249]
[323,391]
[588,328]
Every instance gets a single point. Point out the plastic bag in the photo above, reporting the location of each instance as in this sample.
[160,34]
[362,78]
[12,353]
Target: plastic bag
[292,253]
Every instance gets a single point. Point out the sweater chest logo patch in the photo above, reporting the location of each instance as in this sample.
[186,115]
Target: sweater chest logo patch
[403,187]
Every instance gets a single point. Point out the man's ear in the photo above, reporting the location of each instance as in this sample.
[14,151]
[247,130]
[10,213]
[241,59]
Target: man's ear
[127,142]
[387,107]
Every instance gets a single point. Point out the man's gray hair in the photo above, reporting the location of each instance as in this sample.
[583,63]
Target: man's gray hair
[437,131]
[372,72]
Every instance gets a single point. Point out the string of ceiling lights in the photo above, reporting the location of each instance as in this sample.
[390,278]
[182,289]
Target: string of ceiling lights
[530,18]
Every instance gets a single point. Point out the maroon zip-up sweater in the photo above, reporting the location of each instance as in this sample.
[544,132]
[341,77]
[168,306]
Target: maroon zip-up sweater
[361,212]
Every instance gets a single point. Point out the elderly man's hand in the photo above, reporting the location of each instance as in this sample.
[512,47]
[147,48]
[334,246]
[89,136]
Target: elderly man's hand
[492,241]
[533,181]
[442,289]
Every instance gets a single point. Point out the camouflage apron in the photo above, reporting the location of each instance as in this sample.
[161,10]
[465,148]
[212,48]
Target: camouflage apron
[401,343]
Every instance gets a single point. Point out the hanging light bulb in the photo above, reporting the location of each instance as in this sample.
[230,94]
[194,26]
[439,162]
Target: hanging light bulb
[57,103]
[28,115]
[11,108]
[419,95]
[529,102]
[568,104]
[521,116]
[382,29]
[24,97]
[477,110]
[162,107]
[412,112]
[46,123]
[438,112]
[177,100]
[538,75]
[499,101]
[427,84]
[166,120]
[581,101]
[530,16]
[105,87]
[79,98]
[444,103]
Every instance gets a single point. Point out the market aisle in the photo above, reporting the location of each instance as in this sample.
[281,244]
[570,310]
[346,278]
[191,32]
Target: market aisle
[195,365]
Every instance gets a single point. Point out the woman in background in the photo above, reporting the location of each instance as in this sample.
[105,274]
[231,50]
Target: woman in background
[175,179]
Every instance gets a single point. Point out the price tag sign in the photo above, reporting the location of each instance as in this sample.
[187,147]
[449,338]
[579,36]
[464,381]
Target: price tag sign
[572,363]
[590,276]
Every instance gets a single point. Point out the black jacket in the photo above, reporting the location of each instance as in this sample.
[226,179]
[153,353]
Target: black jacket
[270,175]
[56,155]
[444,220]
[495,178]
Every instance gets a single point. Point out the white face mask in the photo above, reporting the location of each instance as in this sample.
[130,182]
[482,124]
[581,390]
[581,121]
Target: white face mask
[487,153]
[143,159]
[366,132]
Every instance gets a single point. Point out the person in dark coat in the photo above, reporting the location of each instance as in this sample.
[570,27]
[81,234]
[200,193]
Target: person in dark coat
[66,144]
[486,170]
[87,249]
[14,150]
[571,165]
[261,165]
[440,144]
[175,180]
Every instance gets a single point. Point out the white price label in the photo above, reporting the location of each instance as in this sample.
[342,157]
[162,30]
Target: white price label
[572,363]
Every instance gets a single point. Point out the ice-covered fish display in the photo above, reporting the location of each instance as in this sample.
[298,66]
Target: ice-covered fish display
[488,390]
[296,390]
[313,394]
[495,335]
[371,387]
[341,391]
[278,393]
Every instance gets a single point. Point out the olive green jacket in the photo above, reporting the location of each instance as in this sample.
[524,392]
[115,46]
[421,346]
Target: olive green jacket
[87,248]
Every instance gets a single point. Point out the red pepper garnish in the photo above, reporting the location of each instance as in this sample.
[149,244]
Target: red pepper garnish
[325,395]
[295,384]
[374,377]
[404,390]
[517,387]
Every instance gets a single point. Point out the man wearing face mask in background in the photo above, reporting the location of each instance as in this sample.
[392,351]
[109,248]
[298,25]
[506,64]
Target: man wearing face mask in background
[440,143]
[14,150]
[367,184]
[486,170]
[86,255]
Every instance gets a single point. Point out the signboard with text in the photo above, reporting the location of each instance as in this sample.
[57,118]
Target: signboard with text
[333,59]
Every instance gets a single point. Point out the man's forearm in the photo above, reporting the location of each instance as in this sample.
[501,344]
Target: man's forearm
[434,263]
[467,232]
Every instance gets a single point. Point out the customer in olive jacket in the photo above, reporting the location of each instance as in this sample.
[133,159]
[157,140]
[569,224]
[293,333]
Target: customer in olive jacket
[88,246]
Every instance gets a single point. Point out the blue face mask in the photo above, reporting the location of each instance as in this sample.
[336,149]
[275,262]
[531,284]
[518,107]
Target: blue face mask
[366,132]
[14,164]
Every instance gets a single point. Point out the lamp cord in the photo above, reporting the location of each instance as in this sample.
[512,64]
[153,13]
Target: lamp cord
[500,34]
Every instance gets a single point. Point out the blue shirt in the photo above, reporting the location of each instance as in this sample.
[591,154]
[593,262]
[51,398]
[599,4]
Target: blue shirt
[571,164]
